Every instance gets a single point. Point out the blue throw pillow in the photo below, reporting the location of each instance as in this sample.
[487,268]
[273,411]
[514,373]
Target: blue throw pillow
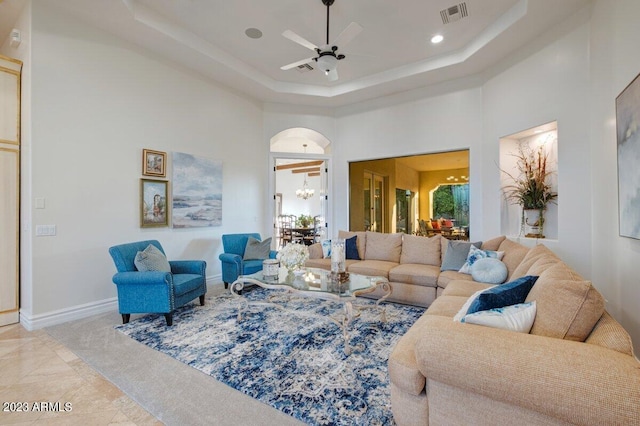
[508,294]
[351,248]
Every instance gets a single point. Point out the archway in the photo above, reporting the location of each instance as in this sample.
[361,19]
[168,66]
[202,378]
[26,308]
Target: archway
[300,182]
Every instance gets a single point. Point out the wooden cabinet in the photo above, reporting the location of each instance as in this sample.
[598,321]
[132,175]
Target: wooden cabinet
[10,70]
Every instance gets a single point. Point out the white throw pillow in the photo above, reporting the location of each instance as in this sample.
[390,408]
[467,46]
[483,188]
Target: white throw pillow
[517,318]
[476,254]
[489,270]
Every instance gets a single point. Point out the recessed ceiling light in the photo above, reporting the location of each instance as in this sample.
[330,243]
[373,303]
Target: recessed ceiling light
[437,38]
[253,33]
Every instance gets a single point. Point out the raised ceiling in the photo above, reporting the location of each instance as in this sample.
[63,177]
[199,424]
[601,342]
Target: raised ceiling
[392,53]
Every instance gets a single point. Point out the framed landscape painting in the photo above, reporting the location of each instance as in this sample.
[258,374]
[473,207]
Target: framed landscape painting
[197,191]
[628,143]
[153,203]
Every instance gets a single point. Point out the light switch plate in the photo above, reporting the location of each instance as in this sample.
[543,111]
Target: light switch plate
[46,230]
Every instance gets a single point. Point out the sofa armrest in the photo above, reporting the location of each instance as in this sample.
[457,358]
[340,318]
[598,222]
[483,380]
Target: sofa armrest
[148,278]
[273,254]
[188,267]
[573,381]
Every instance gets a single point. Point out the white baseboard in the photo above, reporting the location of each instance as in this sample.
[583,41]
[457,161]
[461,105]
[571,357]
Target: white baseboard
[34,322]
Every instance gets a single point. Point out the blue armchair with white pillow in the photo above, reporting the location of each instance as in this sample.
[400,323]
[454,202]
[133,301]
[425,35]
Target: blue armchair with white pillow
[243,255]
[148,283]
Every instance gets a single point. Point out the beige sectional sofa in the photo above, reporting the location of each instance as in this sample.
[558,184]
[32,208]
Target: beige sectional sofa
[575,366]
[411,263]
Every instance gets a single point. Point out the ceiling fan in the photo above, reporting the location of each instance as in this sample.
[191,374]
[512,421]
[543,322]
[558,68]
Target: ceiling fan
[327,57]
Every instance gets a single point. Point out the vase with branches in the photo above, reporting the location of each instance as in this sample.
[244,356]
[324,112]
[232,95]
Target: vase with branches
[530,187]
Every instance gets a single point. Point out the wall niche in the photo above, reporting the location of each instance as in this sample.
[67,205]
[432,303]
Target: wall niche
[545,138]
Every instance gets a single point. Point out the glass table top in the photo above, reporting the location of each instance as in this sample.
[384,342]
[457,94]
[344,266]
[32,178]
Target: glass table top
[319,280]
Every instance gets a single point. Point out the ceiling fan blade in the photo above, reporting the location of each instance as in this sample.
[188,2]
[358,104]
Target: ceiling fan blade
[333,75]
[348,34]
[296,64]
[299,39]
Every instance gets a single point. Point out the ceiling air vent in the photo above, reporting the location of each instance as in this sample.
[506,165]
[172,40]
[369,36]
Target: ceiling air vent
[304,68]
[454,13]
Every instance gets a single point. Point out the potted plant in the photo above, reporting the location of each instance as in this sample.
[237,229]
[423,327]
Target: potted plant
[304,220]
[531,188]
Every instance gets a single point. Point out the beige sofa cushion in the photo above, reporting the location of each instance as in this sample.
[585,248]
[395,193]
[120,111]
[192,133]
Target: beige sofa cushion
[464,288]
[610,334]
[326,263]
[361,241]
[536,261]
[513,255]
[567,307]
[381,246]
[420,250]
[378,268]
[493,244]
[446,306]
[413,273]
[446,277]
[403,369]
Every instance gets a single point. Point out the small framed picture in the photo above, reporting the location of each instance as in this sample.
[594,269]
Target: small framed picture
[154,163]
[153,203]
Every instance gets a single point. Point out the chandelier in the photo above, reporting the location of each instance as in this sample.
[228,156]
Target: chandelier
[305,192]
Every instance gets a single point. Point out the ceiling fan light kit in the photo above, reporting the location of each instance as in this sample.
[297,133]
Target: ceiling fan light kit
[327,58]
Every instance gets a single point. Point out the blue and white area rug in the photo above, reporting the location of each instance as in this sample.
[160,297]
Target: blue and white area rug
[286,353]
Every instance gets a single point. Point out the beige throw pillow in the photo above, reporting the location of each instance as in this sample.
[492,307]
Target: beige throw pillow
[420,250]
[384,246]
[566,308]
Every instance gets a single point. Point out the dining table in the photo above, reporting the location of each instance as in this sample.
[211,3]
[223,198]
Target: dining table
[306,234]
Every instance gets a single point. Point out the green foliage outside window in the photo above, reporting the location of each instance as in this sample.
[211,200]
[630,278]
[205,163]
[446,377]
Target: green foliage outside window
[452,202]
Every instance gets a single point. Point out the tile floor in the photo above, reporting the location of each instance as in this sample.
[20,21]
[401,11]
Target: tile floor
[37,370]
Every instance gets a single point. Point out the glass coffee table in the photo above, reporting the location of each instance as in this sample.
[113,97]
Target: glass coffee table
[312,282]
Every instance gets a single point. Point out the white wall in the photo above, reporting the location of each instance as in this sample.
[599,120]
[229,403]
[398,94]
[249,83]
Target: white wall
[97,102]
[551,84]
[614,63]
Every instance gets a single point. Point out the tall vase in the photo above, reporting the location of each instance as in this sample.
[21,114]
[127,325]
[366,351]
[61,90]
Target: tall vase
[338,264]
[534,221]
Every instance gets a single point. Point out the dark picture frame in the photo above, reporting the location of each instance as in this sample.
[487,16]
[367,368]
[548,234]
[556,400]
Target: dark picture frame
[628,151]
[154,163]
[154,207]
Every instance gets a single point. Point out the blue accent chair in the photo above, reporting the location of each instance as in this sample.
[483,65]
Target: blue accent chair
[232,263]
[155,291]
